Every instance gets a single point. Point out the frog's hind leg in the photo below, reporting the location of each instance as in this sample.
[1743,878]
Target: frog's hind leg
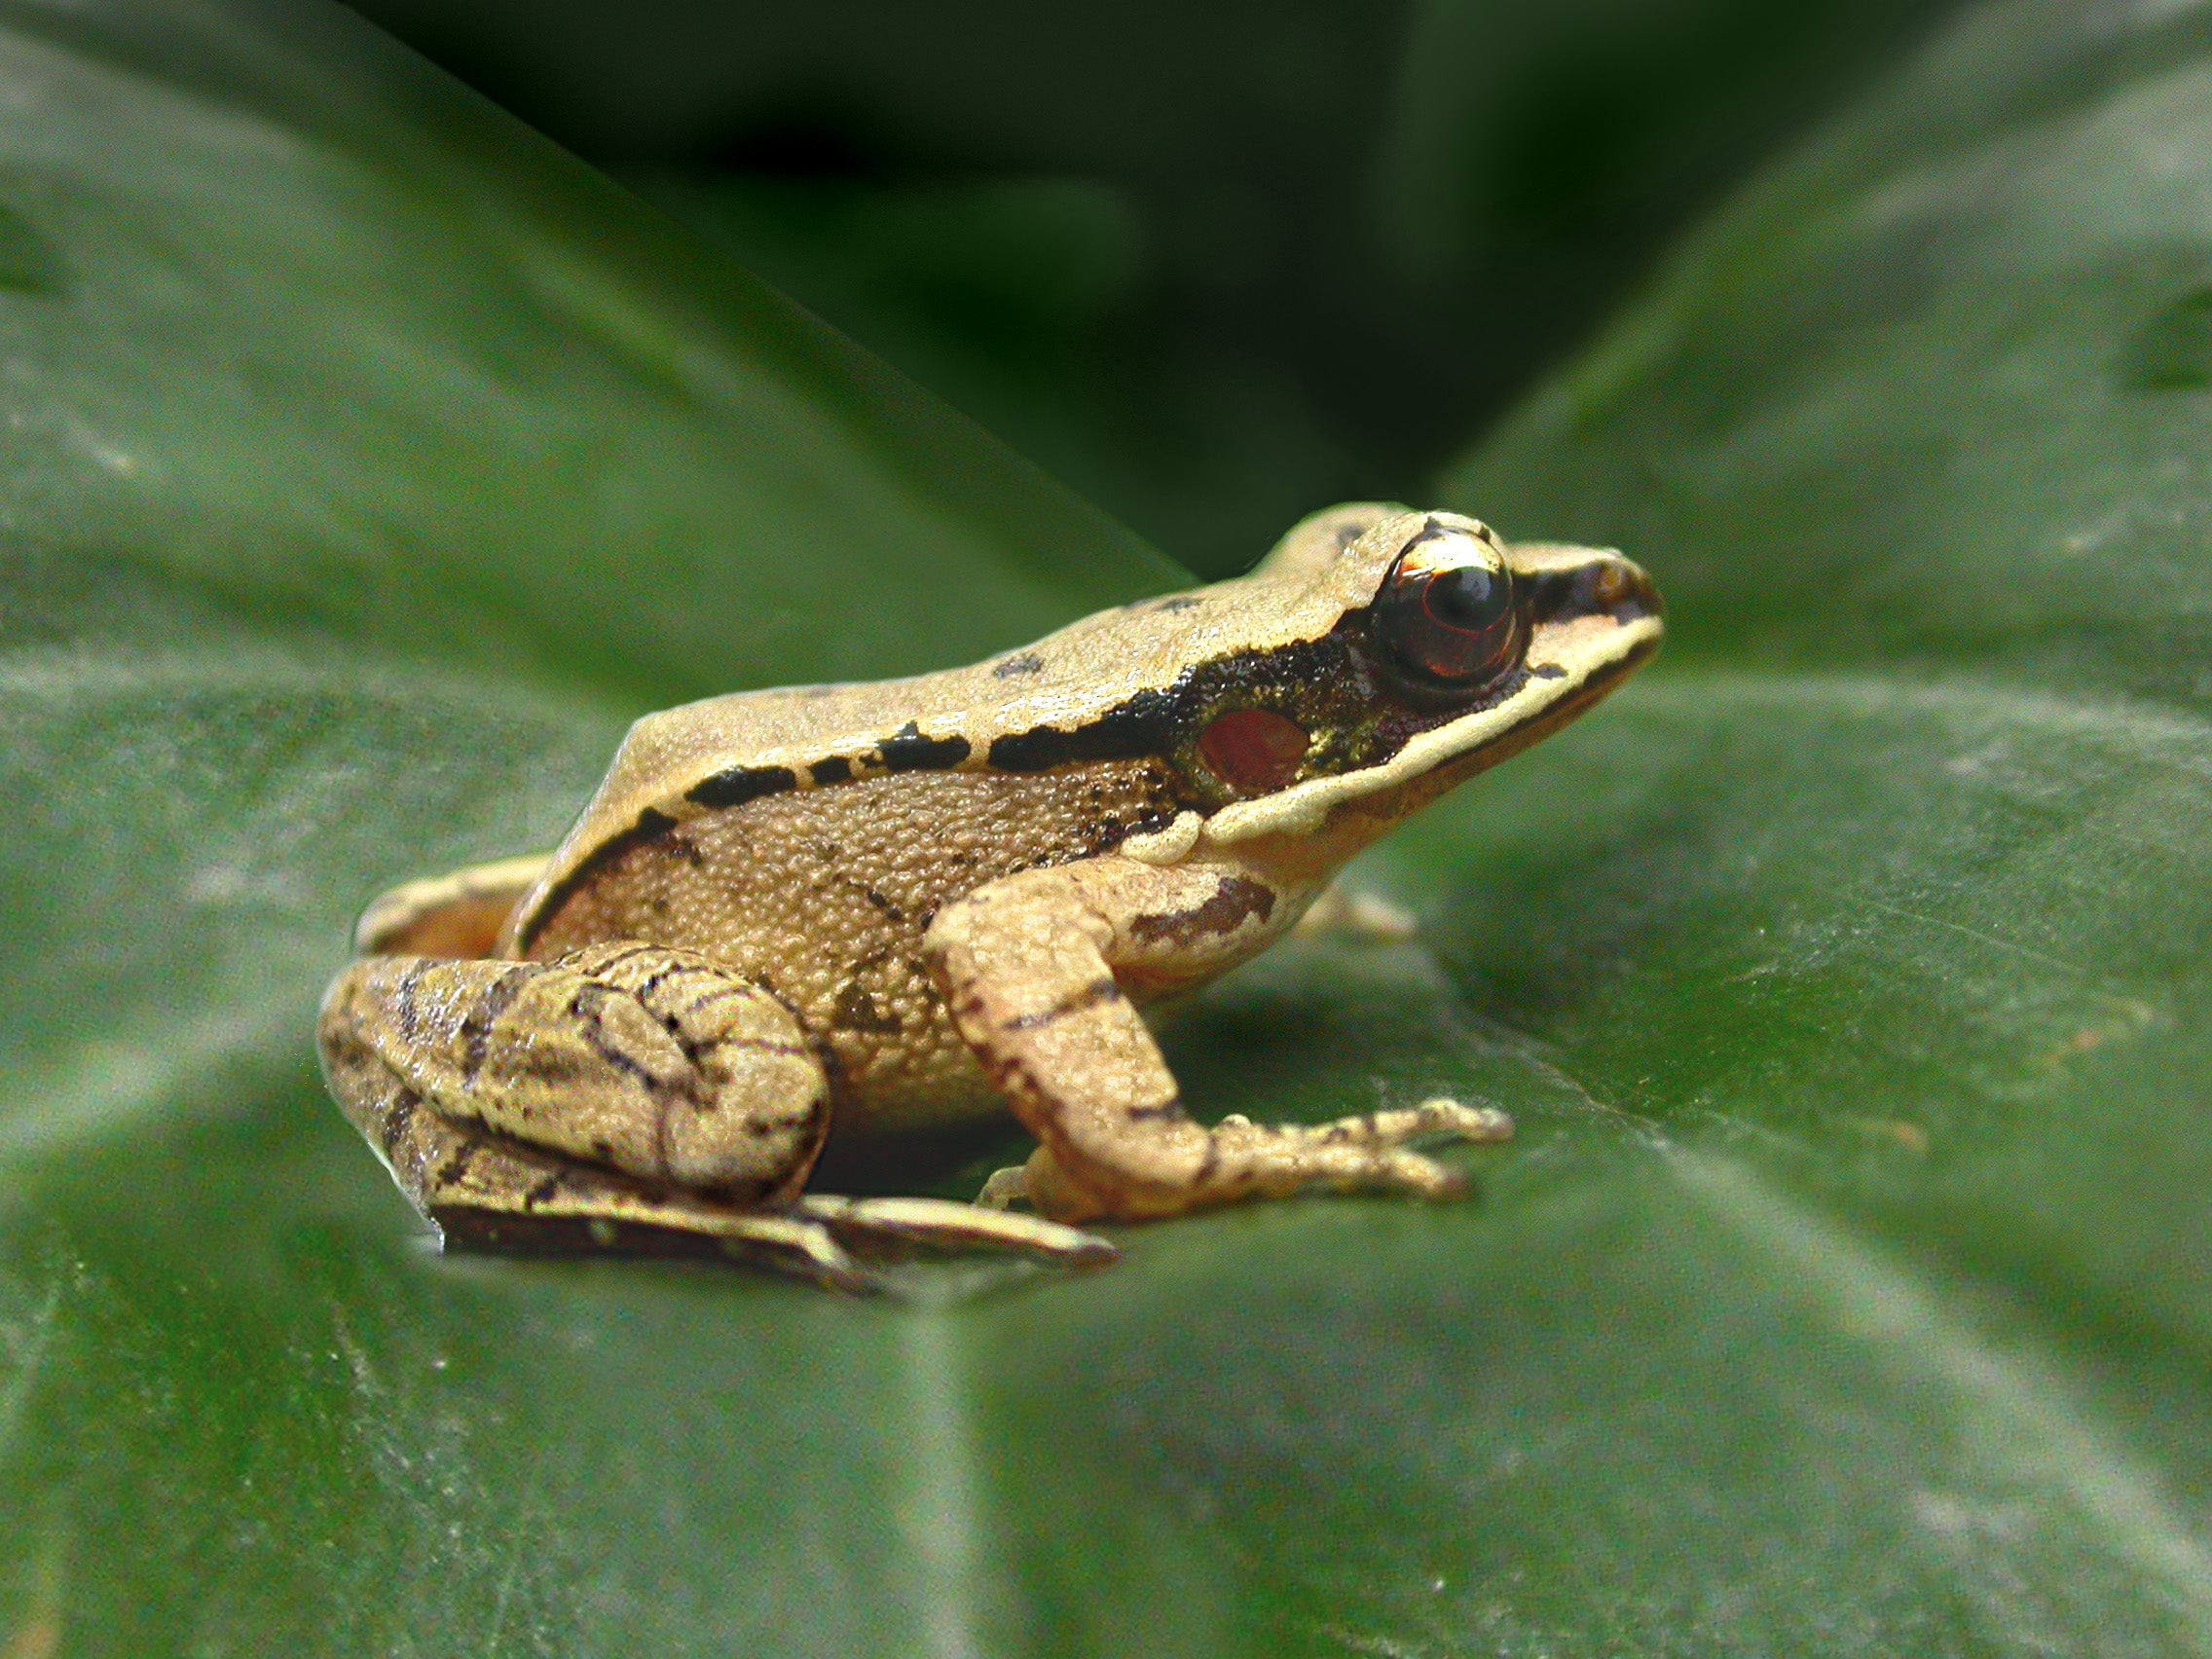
[627,1099]
[488,1192]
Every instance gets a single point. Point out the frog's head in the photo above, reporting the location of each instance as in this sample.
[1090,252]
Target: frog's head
[1450,651]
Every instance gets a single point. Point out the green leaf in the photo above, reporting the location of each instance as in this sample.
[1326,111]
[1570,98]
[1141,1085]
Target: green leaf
[369,463]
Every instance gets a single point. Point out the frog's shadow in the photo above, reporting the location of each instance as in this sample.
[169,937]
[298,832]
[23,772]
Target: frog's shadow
[948,1162]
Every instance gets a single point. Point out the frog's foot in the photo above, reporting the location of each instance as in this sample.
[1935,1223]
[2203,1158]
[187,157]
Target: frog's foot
[1292,1148]
[1029,967]
[1360,918]
[1259,1161]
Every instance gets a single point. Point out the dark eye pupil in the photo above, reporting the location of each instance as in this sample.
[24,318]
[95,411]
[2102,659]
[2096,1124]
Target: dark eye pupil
[1466,598]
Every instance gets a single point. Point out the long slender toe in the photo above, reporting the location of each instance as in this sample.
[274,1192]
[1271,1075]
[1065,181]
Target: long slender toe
[938,1224]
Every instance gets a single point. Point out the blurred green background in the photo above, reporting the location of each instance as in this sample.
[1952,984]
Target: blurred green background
[1211,264]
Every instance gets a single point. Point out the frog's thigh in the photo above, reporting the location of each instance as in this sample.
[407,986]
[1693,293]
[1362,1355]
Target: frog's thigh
[1028,966]
[490,1192]
[647,1062]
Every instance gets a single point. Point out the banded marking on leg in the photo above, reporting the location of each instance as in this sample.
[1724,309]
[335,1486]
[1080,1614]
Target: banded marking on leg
[730,1030]
[1440,1116]
[1090,996]
[476,1026]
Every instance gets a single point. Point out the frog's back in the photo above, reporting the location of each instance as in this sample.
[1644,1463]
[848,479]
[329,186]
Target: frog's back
[822,893]
[1097,690]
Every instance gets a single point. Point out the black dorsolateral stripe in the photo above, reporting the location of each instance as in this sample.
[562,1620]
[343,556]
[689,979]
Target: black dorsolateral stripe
[1144,726]
[908,751]
[1322,681]
[651,825]
[737,785]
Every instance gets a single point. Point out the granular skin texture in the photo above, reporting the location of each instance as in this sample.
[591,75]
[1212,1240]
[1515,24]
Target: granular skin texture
[822,896]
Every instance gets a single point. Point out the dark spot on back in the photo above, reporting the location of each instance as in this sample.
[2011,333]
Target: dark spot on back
[834,770]
[909,750]
[737,785]
[1026,662]
[855,1010]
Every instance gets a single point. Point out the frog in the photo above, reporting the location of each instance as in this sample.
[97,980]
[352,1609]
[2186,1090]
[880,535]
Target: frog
[835,915]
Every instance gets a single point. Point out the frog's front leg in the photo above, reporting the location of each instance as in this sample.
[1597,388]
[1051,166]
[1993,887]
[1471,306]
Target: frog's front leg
[1037,970]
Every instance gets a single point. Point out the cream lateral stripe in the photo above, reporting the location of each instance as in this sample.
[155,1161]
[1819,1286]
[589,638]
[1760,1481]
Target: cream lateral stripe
[1299,809]
[1165,846]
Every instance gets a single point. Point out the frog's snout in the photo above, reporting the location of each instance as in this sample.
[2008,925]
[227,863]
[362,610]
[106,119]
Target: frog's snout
[1599,582]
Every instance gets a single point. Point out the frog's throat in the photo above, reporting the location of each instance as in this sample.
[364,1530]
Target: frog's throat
[1303,808]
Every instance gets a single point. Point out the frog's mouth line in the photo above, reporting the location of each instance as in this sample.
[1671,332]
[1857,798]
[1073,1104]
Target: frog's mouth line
[1301,809]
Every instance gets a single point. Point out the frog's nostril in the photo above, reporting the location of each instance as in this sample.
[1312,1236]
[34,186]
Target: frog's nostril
[1632,593]
[1608,585]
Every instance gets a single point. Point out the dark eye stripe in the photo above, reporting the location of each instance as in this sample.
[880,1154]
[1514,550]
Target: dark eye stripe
[1580,590]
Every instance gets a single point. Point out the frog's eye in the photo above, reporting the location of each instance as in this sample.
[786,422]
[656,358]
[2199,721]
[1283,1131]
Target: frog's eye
[1446,613]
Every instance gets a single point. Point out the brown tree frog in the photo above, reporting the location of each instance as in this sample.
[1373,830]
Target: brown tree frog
[853,910]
